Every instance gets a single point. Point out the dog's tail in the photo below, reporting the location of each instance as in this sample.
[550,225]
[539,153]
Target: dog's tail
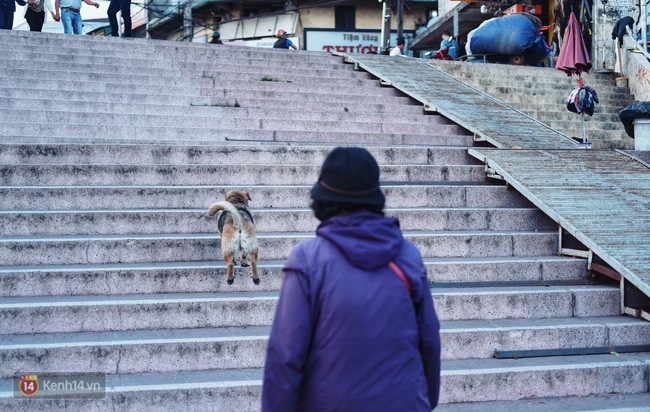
[228,207]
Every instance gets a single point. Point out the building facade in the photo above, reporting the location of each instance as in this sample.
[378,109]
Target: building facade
[347,26]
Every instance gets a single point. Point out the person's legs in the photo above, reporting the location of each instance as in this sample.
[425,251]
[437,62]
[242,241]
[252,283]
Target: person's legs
[125,7]
[113,8]
[35,20]
[66,20]
[30,17]
[6,18]
[76,22]
[40,19]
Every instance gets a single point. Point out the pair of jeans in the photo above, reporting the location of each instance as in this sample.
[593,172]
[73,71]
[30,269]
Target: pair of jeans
[35,19]
[125,7]
[71,21]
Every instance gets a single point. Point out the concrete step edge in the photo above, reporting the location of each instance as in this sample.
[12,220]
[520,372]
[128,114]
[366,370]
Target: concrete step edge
[260,235]
[5,270]
[233,333]
[171,298]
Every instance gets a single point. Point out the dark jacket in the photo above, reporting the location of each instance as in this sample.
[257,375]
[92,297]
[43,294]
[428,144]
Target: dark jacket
[11,4]
[618,32]
[282,43]
[346,335]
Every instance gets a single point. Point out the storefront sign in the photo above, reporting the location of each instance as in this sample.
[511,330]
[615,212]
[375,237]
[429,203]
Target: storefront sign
[346,41]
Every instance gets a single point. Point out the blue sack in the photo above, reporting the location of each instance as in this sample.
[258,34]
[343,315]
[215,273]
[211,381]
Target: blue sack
[511,34]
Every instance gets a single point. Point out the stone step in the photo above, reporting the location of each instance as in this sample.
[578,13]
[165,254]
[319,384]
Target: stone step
[233,75]
[202,136]
[199,86]
[532,381]
[70,120]
[387,107]
[325,112]
[244,174]
[202,86]
[19,45]
[602,111]
[55,40]
[69,314]
[210,275]
[148,351]
[205,108]
[232,78]
[521,83]
[155,96]
[499,379]
[493,76]
[431,194]
[121,43]
[161,51]
[78,60]
[565,115]
[111,154]
[593,124]
[502,70]
[605,403]
[271,65]
[145,63]
[258,71]
[510,92]
[184,247]
[209,54]
[208,96]
[625,143]
[182,73]
[597,134]
[162,47]
[523,99]
[156,221]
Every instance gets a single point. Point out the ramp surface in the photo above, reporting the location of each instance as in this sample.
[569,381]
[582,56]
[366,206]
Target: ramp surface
[600,197]
[488,118]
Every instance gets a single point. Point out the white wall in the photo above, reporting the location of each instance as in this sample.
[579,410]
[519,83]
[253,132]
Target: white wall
[636,68]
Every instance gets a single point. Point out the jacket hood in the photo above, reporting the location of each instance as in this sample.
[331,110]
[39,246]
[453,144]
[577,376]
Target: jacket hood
[367,240]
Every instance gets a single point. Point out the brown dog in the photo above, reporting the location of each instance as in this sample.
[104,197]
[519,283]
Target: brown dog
[237,230]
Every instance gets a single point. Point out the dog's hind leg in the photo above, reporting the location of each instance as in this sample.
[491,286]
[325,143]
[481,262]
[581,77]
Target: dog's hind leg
[256,278]
[230,261]
[244,260]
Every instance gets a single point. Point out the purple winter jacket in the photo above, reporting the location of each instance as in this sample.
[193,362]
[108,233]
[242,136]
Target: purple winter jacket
[346,334]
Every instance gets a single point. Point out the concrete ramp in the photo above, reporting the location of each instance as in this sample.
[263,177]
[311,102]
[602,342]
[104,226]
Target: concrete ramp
[489,119]
[600,197]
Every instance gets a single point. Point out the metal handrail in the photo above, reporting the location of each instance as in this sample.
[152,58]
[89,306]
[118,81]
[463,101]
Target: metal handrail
[638,46]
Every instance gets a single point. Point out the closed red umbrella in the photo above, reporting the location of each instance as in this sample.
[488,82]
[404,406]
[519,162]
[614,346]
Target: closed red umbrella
[574,57]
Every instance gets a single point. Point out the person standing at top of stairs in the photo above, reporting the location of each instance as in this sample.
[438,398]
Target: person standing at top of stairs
[69,11]
[125,7]
[283,42]
[397,50]
[7,10]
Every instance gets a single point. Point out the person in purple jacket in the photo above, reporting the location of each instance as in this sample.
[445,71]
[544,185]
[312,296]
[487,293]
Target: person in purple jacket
[355,328]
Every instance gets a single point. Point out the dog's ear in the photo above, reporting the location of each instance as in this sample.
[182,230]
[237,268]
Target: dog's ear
[248,195]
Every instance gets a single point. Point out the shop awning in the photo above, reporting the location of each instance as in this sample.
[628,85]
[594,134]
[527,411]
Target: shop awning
[259,27]
[469,17]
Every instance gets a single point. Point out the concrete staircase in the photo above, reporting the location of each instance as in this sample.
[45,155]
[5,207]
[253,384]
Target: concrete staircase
[112,151]
[541,93]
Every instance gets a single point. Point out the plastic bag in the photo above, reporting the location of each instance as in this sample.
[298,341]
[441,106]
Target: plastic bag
[638,110]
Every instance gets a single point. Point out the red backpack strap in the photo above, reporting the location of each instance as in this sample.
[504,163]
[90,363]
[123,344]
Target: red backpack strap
[401,275]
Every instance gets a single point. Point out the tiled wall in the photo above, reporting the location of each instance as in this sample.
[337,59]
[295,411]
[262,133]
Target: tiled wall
[637,69]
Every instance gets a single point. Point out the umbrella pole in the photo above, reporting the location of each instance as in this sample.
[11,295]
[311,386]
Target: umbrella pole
[584,132]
